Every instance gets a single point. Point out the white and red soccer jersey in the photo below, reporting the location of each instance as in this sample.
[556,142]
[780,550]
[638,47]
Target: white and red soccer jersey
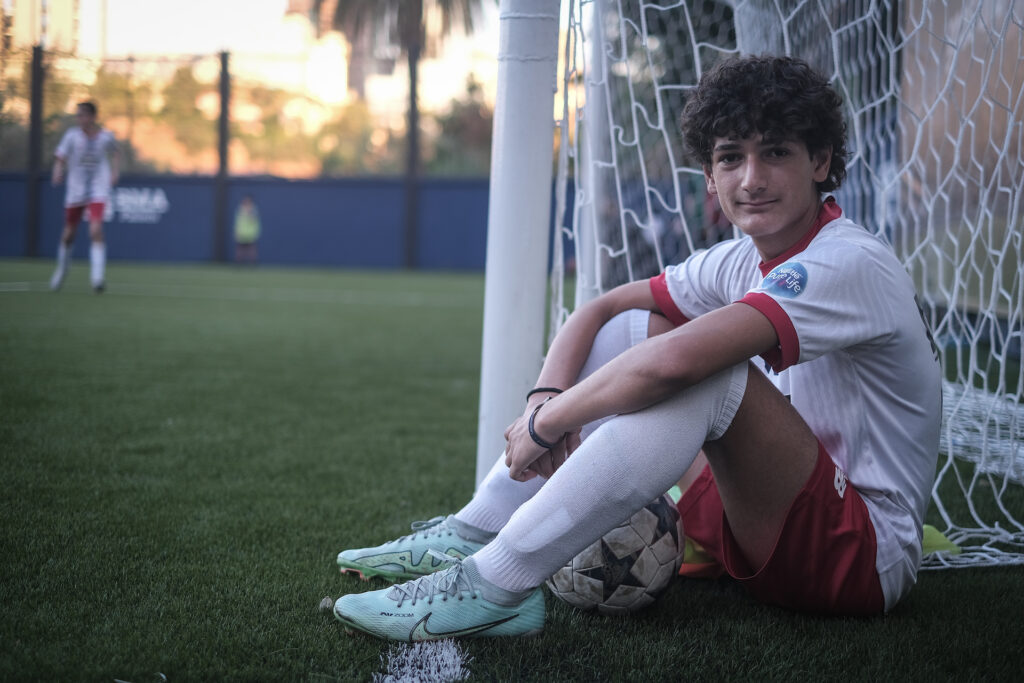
[88,165]
[855,358]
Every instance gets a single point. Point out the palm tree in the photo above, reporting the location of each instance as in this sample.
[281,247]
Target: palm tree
[354,18]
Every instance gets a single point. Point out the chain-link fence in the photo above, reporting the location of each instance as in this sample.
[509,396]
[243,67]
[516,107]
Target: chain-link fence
[285,117]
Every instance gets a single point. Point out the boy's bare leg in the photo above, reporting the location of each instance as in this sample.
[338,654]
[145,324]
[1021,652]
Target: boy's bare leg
[760,464]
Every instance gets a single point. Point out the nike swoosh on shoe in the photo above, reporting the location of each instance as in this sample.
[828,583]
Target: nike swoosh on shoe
[421,632]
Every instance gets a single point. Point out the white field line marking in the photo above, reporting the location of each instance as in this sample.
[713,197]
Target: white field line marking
[298,295]
[439,661]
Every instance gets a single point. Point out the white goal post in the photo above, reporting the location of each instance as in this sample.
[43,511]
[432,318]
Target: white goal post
[934,97]
[518,219]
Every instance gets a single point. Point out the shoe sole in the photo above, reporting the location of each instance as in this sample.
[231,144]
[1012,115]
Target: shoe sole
[351,629]
[366,573]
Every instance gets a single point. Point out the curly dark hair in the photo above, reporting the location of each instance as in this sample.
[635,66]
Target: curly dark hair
[781,98]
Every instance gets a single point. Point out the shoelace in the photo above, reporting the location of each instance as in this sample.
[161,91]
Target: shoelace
[449,583]
[429,527]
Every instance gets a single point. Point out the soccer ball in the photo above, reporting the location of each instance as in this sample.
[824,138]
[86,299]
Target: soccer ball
[628,567]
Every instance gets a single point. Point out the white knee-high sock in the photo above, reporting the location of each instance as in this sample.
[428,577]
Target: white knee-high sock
[63,261]
[63,255]
[625,464]
[98,262]
[499,496]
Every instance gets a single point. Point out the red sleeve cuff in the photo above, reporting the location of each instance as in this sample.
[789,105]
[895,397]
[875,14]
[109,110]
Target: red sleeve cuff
[659,288]
[788,351]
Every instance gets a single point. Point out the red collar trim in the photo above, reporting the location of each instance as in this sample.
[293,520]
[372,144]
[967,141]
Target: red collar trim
[829,212]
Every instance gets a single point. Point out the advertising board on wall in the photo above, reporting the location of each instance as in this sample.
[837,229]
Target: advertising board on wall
[146,205]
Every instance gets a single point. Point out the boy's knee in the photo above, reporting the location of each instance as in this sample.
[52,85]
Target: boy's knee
[624,330]
[621,332]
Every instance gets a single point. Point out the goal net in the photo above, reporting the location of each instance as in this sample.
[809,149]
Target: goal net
[933,95]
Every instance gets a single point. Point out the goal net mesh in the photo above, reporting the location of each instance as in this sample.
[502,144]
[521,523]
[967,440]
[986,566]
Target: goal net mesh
[932,92]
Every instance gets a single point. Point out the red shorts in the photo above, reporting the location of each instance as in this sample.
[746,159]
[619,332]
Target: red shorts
[73,214]
[824,558]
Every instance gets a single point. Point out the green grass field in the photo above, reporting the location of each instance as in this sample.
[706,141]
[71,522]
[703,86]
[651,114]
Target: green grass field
[184,455]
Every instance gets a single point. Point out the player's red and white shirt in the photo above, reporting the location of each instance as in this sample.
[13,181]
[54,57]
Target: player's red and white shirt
[855,358]
[88,165]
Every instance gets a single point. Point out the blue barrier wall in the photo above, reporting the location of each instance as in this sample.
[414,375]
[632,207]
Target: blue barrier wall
[355,222]
[12,215]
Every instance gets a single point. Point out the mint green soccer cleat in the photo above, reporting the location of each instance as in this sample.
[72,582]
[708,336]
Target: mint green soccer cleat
[408,557]
[454,603]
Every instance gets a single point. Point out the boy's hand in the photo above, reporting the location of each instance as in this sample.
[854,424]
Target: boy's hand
[526,460]
[551,460]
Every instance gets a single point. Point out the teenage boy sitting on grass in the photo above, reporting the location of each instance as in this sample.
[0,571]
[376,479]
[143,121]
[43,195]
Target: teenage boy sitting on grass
[794,359]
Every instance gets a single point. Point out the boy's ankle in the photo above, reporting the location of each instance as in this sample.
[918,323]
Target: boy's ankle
[470,532]
[492,592]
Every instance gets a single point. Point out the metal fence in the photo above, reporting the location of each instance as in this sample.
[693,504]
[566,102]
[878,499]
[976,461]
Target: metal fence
[280,116]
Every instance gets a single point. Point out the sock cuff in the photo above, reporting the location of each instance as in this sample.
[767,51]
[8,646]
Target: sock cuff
[495,562]
[490,590]
[736,387]
[470,532]
[486,518]
[638,322]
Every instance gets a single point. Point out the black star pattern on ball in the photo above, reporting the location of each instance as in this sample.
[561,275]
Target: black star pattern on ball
[668,516]
[614,571]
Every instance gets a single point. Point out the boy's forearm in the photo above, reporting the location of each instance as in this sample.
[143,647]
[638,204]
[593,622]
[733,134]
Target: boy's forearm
[662,366]
[568,351]
[623,385]
[572,344]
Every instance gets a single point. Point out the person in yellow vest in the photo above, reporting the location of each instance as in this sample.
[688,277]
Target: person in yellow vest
[247,230]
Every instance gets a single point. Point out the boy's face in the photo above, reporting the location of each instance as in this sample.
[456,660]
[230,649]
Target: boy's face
[767,190]
[84,117]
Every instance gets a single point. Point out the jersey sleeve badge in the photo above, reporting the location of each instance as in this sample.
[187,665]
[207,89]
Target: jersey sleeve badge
[787,281]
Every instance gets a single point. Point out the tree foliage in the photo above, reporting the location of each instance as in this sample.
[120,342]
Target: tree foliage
[147,109]
[191,127]
[463,143]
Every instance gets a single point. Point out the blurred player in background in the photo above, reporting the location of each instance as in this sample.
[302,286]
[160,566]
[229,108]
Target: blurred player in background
[88,155]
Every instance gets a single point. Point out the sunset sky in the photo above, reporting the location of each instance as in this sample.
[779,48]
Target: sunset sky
[143,27]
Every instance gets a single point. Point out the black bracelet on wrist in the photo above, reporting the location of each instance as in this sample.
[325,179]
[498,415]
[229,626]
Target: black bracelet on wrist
[543,390]
[533,433]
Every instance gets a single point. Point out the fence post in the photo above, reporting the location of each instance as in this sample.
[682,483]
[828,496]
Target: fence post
[413,39]
[220,199]
[35,154]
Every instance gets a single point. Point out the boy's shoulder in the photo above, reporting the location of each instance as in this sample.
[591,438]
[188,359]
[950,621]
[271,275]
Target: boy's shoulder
[843,235]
